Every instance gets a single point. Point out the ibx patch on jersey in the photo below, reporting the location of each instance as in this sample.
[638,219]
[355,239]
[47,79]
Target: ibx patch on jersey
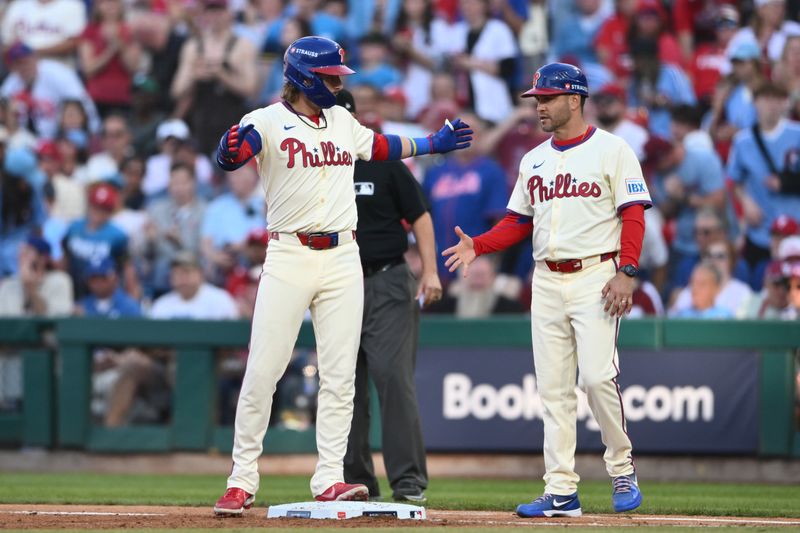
[635,186]
[365,188]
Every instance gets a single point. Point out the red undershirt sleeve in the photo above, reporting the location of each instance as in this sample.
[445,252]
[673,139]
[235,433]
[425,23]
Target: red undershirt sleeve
[632,235]
[380,148]
[512,229]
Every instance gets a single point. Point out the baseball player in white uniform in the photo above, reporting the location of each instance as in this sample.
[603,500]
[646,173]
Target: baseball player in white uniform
[305,147]
[582,195]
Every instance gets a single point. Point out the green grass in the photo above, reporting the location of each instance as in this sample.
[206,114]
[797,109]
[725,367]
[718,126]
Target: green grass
[195,490]
[647,529]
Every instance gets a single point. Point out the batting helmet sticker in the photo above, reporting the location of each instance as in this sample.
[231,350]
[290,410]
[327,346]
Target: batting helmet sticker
[558,78]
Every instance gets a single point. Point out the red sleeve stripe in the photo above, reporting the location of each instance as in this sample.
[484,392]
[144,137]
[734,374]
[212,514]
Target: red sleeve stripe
[646,203]
[632,234]
[380,148]
[512,229]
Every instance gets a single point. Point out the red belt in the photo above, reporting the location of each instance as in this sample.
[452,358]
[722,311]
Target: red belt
[315,241]
[567,266]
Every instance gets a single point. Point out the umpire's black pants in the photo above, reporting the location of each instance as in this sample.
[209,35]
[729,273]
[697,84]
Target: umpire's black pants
[388,355]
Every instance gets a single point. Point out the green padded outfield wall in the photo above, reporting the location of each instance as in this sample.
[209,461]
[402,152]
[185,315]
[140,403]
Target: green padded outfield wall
[66,378]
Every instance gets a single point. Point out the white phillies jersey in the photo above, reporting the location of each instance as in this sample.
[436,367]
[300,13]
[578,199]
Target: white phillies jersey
[307,173]
[575,194]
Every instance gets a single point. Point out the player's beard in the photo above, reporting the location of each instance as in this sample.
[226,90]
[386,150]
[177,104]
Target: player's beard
[556,119]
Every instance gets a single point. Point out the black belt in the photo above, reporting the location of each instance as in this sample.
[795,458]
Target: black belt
[373,267]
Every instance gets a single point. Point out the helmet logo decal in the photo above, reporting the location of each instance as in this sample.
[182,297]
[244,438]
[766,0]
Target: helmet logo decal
[341,54]
[567,86]
[301,51]
[536,76]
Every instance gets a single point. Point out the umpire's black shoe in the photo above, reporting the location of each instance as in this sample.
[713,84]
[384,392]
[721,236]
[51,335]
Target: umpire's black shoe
[413,495]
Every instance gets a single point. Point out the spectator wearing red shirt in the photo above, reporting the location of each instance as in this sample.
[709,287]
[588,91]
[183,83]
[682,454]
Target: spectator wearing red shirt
[649,21]
[108,57]
[242,281]
[611,42]
[710,62]
[695,23]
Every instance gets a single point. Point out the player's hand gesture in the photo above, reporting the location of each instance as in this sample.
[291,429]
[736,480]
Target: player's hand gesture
[462,254]
[233,139]
[455,136]
[237,146]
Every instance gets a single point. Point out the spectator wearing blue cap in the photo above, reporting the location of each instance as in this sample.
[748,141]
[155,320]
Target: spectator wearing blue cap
[106,298]
[36,289]
[745,57]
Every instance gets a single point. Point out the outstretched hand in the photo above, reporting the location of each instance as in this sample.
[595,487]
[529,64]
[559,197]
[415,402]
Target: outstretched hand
[231,143]
[462,254]
[452,136]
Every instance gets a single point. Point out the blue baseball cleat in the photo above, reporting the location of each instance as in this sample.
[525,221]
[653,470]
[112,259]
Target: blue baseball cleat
[551,505]
[626,495]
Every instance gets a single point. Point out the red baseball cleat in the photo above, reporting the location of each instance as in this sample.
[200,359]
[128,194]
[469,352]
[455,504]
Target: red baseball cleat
[344,492]
[234,502]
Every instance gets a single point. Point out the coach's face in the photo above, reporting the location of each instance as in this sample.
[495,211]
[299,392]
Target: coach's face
[554,110]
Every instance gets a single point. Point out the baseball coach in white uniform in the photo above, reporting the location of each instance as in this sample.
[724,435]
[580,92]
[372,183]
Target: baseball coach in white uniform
[582,196]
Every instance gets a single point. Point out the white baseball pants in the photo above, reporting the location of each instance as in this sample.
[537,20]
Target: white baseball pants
[571,329]
[295,278]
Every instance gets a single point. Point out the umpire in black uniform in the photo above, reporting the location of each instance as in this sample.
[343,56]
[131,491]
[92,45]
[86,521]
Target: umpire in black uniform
[386,193]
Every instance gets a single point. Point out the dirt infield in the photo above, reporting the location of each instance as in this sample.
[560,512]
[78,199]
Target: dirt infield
[22,516]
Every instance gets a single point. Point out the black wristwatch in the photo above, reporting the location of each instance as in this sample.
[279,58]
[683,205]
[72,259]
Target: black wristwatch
[629,270]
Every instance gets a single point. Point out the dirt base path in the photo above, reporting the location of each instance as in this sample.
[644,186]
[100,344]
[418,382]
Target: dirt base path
[24,516]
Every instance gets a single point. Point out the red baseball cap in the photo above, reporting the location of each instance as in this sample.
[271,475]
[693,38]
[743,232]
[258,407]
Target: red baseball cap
[776,270]
[49,149]
[395,94]
[612,89]
[651,6]
[104,196]
[258,235]
[784,226]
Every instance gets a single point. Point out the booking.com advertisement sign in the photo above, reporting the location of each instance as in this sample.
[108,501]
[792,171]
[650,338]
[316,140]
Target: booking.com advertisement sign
[675,401]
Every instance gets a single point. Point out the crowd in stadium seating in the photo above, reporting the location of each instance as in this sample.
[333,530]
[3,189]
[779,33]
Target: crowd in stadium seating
[110,111]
